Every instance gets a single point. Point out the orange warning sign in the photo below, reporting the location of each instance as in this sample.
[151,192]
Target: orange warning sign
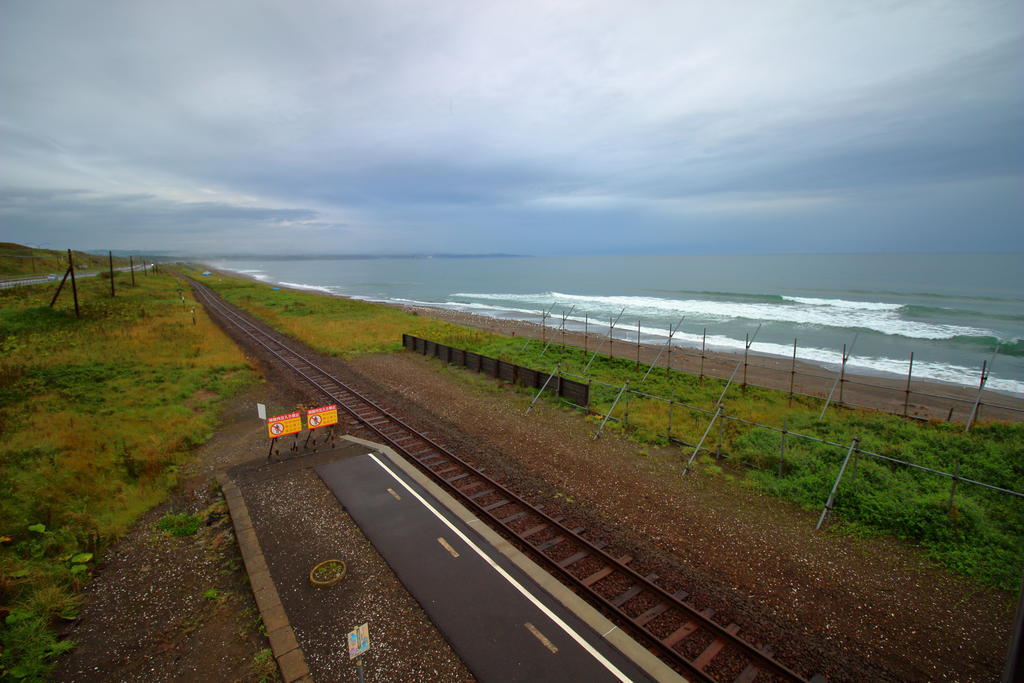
[283,425]
[323,416]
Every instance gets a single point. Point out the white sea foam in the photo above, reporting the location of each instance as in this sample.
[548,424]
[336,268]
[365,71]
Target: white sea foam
[315,288]
[835,313]
[258,274]
[943,372]
[502,311]
[843,303]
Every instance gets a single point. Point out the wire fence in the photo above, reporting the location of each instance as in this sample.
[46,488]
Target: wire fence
[718,414]
[589,394]
[677,422]
[910,397]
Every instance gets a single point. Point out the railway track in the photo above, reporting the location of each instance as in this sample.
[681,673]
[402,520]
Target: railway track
[686,637]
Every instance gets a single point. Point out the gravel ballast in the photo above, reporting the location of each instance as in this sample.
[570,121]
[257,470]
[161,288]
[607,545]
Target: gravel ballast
[299,524]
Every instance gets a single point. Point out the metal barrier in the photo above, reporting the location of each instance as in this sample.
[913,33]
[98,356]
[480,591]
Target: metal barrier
[577,393]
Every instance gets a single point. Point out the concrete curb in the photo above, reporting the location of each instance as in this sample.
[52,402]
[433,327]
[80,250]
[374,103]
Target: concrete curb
[285,647]
[624,643]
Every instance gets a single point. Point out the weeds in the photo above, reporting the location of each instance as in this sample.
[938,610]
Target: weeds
[179,524]
[96,416]
[264,666]
[215,594]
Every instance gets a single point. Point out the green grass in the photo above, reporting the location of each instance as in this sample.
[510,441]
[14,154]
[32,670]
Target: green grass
[980,536]
[340,327]
[264,666]
[96,417]
[179,524]
[18,260]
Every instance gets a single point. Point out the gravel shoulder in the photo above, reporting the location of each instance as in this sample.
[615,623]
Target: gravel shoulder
[300,523]
[854,608]
[163,608]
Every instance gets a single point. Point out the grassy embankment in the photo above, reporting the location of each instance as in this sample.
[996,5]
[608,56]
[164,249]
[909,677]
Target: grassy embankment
[19,260]
[980,536]
[96,416]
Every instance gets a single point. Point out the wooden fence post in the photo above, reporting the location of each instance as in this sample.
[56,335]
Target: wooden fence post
[842,374]
[985,367]
[74,287]
[906,398]
[60,287]
[746,350]
[792,373]
[703,347]
[638,344]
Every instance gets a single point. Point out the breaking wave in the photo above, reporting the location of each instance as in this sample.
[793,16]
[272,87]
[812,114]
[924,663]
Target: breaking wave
[883,318]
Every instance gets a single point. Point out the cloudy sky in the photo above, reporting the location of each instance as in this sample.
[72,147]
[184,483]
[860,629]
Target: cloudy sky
[522,127]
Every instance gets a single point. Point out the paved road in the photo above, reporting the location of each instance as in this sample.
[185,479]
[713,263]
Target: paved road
[7,283]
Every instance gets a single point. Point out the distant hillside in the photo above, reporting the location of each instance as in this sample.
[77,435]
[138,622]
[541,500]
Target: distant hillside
[341,257]
[18,259]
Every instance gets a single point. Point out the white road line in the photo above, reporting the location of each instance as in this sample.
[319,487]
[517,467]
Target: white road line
[447,546]
[541,637]
[529,596]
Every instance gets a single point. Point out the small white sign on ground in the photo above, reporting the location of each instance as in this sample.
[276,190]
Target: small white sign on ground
[359,641]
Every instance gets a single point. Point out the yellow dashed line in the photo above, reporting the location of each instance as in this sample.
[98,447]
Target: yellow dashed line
[447,546]
[541,637]
[392,492]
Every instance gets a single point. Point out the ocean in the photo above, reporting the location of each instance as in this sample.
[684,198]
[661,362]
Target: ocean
[950,310]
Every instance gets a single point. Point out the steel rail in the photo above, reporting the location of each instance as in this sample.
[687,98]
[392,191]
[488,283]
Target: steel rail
[687,612]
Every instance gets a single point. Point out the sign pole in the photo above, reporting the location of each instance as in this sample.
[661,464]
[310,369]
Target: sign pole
[283,425]
[358,641]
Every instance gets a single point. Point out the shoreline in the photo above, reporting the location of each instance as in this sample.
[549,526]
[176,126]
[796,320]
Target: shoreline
[929,399]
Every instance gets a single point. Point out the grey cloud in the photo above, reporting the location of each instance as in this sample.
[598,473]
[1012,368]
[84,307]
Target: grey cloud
[507,127]
[138,206]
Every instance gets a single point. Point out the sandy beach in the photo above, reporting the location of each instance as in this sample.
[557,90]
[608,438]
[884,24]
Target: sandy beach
[927,400]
